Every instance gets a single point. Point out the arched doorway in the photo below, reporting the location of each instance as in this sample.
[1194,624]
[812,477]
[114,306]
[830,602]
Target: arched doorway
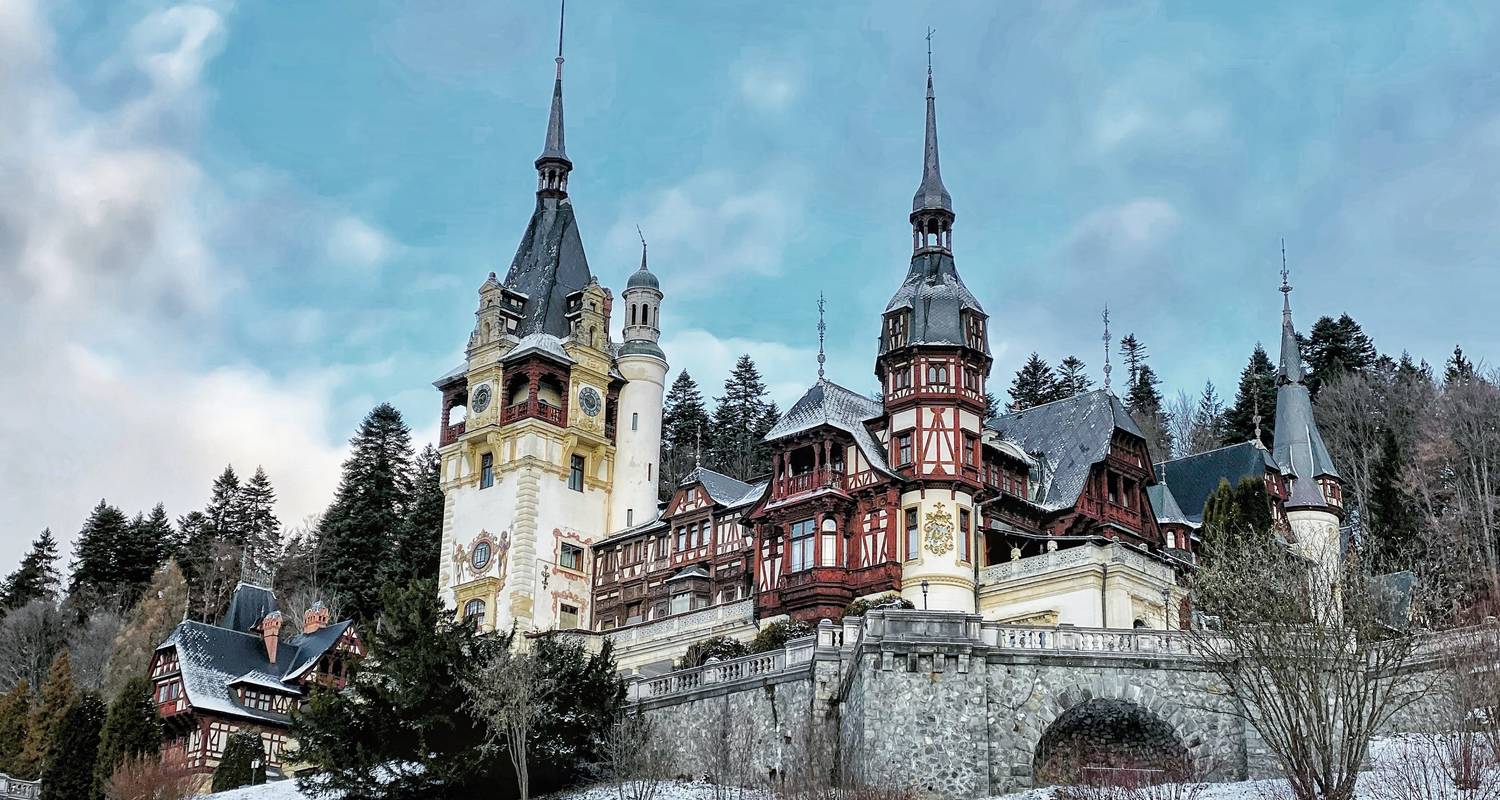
[1110,742]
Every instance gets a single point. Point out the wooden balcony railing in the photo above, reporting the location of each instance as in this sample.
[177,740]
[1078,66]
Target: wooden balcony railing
[533,409]
[811,481]
[451,433]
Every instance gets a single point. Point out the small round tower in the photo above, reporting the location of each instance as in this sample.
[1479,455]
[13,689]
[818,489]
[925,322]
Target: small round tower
[638,429]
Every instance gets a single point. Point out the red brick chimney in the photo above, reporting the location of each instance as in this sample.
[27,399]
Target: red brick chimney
[315,619]
[270,633]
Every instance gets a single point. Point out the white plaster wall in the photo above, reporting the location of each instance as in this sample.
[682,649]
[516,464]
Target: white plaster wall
[1078,605]
[950,582]
[636,451]
[1317,536]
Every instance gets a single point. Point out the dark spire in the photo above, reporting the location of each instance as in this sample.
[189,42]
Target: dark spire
[1297,446]
[553,164]
[931,207]
[1291,354]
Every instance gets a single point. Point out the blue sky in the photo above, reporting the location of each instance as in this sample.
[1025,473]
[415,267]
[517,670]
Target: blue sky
[228,230]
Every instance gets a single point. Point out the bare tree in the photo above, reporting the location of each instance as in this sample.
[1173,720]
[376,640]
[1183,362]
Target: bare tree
[510,693]
[30,637]
[1304,648]
[92,645]
[1180,411]
[721,755]
[148,778]
[635,758]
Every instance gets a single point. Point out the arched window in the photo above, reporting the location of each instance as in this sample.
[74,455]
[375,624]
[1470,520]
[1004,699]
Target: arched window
[632,313]
[474,612]
[645,315]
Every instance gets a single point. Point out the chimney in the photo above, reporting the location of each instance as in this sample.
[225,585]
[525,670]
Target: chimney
[315,618]
[270,633]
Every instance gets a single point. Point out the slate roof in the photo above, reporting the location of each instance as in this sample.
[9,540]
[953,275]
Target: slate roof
[935,294]
[247,606]
[539,343]
[1068,437]
[931,193]
[549,265]
[1193,478]
[724,490]
[828,403]
[452,375]
[1164,504]
[214,659]
[1297,446]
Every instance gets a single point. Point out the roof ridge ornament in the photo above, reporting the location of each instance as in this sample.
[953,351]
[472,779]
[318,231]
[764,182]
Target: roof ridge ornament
[1107,367]
[822,331]
[643,248]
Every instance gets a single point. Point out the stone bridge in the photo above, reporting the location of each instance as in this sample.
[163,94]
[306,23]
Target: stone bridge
[947,704]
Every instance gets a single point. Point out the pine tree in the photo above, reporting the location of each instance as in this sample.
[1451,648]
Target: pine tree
[242,764]
[143,548]
[684,430]
[149,623]
[1239,511]
[416,554]
[1145,405]
[406,706]
[36,578]
[1256,394]
[211,566]
[58,694]
[991,405]
[357,535]
[69,773]
[97,570]
[1033,385]
[132,728]
[1337,346]
[15,707]
[261,528]
[742,416]
[1459,369]
[1134,353]
[1208,422]
[1071,379]
[1389,518]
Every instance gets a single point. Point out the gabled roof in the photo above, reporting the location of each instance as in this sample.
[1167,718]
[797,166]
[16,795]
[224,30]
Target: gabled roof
[721,488]
[215,659]
[1165,506]
[1193,478]
[1068,437]
[451,375]
[828,403]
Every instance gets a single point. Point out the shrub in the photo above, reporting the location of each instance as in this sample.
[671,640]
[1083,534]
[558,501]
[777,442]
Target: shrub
[720,647]
[145,777]
[860,607]
[244,762]
[778,633]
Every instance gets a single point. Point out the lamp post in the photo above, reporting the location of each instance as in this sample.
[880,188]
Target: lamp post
[924,595]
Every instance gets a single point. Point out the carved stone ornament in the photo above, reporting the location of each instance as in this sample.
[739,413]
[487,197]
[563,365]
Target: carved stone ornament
[939,530]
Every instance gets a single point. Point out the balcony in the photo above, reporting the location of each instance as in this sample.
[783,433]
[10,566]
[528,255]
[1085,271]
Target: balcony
[533,409]
[450,434]
[1083,555]
[805,482]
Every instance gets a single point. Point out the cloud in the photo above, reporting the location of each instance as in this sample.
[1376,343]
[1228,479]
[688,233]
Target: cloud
[110,294]
[1121,236]
[354,242]
[787,370]
[768,86]
[712,226]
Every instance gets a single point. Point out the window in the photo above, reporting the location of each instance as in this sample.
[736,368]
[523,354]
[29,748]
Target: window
[633,613]
[901,377]
[629,517]
[682,602]
[729,595]
[682,539]
[828,547]
[896,330]
[575,475]
[1112,490]
[635,421]
[486,471]
[964,537]
[913,537]
[567,616]
[800,556]
[702,533]
[937,374]
[480,558]
[1128,493]
[168,692]
[571,557]
[971,450]
[903,449]
[474,612]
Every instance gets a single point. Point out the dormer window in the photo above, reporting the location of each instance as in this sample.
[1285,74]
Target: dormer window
[896,330]
[974,330]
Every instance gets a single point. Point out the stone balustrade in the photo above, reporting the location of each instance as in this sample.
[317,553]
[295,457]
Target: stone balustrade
[17,789]
[795,656]
[1078,556]
[677,625]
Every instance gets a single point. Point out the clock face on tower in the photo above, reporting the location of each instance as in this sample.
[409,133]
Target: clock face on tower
[589,400]
[481,399]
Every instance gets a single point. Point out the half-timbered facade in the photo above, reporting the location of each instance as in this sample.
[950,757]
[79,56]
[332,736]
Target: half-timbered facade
[247,673]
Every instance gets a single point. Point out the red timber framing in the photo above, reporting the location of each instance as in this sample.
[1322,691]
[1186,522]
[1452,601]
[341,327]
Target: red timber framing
[823,536]
[455,394]
[697,555]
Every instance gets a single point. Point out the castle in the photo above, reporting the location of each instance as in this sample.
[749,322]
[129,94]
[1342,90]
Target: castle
[1052,515]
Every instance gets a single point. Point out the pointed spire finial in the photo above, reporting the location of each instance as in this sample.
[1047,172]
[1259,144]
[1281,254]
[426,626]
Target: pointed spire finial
[554,149]
[931,194]
[643,247]
[1290,370]
[1286,288]
[930,32]
[1255,407]
[562,12]
[1107,367]
[822,331]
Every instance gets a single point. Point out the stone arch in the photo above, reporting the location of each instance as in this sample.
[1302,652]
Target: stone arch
[1102,740]
[1205,752]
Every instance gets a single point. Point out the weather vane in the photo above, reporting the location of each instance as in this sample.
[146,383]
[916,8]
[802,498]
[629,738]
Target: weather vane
[1285,287]
[930,32]
[822,331]
[1106,347]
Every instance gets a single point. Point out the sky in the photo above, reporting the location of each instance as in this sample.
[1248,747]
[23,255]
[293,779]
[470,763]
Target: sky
[228,230]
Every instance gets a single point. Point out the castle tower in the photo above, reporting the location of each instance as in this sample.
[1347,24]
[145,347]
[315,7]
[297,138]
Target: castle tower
[644,366]
[528,472]
[932,364]
[1316,503]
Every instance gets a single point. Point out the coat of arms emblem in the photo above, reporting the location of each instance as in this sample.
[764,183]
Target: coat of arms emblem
[939,530]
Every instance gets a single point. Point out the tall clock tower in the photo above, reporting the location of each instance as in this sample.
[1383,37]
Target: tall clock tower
[529,471]
[933,362]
